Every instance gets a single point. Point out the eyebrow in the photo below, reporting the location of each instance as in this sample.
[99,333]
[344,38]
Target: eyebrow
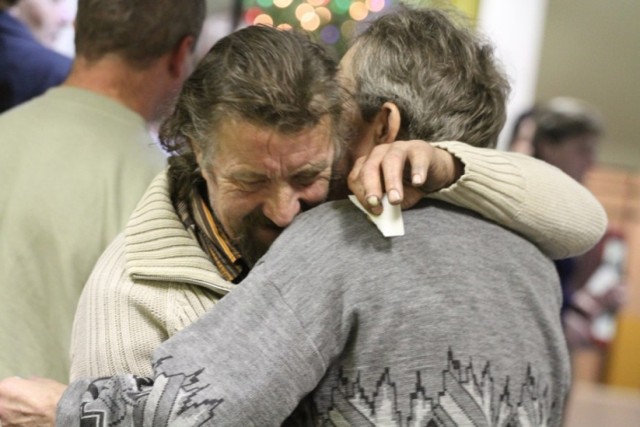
[247,175]
[312,168]
[307,169]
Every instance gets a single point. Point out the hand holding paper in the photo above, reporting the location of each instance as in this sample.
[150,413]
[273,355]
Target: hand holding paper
[389,222]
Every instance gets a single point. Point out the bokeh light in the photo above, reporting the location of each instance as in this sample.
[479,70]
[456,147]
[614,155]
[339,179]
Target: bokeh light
[263,19]
[251,15]
[340,6]
[303,9]
[358,10]
[330,34]
[282,3]
[347,29]
[265,4]
[324,14]
[375,5]
[332,22]
[310,21]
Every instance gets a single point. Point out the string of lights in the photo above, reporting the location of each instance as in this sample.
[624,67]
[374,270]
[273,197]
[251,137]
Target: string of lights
[333,22]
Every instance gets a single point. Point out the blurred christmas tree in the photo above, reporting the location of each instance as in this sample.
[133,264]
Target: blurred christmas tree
[332,22]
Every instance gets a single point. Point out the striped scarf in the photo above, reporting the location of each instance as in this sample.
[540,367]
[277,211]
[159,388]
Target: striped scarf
[198,219]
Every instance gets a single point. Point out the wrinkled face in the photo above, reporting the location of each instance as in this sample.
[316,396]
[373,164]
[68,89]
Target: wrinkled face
[258,180]
[45,18]
[574,156]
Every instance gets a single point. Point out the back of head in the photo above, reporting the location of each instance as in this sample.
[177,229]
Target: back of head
[567,136]
[265,76]
[139,31]
[563,118]
[442,77]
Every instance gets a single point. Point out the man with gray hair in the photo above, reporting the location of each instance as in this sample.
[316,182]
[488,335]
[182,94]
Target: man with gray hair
[75,163]
[338,325]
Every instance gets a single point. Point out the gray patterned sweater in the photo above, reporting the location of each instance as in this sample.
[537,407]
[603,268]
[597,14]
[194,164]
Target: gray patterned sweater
[456,323]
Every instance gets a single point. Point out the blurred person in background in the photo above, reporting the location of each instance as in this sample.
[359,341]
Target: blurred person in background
[28,65]
[524,130]
[74,164]
[566,132]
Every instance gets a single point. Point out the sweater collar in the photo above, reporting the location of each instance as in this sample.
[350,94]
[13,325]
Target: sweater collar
[159,248]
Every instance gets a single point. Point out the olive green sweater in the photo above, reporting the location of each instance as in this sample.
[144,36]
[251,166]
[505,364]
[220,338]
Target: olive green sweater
[74,164]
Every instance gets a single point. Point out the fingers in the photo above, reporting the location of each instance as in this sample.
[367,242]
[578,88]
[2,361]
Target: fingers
[386,169]
[419,159]
[404,163]
[381,170]
[367,189]
[392,161]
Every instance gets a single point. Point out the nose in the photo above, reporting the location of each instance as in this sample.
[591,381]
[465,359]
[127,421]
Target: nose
[282,205]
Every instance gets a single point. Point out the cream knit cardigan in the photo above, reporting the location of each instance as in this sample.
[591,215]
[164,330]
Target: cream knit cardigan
[154,279]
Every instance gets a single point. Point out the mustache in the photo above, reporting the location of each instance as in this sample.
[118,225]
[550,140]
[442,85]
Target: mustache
[258,219]
[250,248]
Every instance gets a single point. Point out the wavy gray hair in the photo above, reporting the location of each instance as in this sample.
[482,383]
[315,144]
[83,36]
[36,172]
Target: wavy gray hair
[443,78]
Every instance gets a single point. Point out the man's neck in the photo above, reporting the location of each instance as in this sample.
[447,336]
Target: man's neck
[338,188]
[110,76]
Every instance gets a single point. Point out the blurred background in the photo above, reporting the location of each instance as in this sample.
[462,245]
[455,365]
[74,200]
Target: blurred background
[584,49]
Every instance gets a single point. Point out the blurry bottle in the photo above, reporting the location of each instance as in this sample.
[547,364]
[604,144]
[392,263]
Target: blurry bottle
[605,285]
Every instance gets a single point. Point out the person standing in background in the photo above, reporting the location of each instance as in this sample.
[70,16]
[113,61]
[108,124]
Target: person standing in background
[28,65]
[566,132]
[75,163]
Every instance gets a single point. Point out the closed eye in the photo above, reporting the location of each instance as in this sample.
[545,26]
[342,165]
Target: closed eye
[249,181]
[308,178]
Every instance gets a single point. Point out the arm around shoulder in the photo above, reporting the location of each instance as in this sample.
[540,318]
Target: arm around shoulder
[528,196]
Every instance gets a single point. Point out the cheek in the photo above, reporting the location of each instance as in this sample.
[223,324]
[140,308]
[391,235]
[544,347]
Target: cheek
[231,206]
[316,193]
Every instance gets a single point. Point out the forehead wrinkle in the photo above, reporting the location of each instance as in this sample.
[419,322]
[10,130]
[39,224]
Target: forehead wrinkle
[307,148]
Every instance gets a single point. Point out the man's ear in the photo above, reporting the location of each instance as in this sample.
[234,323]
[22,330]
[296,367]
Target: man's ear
[180,59]
[387,123]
